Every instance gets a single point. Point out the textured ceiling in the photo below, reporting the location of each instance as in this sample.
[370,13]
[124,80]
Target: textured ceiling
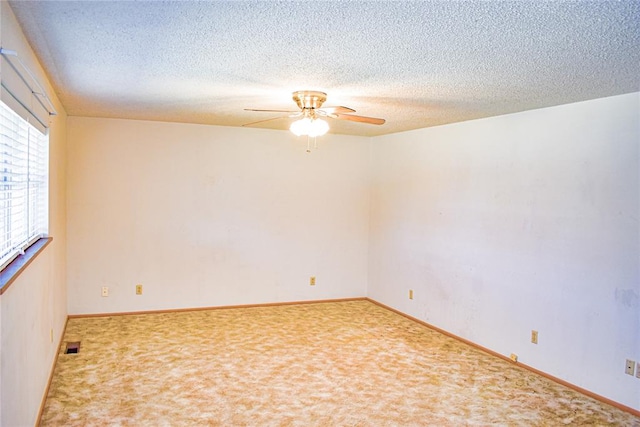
[416,64]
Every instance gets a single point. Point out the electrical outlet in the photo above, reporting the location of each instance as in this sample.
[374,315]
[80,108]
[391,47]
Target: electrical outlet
[105,291]
[534,337]
[138,289]
[630,367]
[637,370]
[514,357]
[312,280]
[410,293]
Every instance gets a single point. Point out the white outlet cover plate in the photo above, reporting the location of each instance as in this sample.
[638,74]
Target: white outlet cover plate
[630,367]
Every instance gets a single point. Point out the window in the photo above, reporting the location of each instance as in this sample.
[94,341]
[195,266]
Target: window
[24,185]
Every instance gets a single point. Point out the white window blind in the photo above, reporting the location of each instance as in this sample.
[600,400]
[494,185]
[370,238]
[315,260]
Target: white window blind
[24,184]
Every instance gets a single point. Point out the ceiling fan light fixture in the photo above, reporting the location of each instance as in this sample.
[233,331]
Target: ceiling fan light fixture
[300,127]
[308,126]
[318,128]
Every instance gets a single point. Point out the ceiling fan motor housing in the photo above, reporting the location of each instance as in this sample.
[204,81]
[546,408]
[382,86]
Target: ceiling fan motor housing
[309,99]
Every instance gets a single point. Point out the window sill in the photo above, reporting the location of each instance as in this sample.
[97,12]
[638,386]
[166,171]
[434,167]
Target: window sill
[18,265]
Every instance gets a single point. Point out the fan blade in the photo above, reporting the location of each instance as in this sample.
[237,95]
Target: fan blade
[295,114]
[262,121]
[360,119]
[272,111]
[336,110]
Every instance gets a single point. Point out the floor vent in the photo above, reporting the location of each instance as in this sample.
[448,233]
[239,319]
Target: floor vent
[72,348]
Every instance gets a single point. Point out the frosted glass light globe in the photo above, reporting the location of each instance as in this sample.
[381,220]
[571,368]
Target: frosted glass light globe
[300,127]
[318,128]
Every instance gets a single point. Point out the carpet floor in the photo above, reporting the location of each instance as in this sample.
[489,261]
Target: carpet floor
[350,363]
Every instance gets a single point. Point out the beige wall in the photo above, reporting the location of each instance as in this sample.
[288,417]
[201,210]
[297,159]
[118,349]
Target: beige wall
[516,223]
[35,305]
[210,216]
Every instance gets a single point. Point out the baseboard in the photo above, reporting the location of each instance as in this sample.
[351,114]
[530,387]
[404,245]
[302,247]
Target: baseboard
[220,307]
[522,365]
[51,372]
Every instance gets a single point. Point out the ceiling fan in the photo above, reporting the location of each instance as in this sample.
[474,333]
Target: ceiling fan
[311,113]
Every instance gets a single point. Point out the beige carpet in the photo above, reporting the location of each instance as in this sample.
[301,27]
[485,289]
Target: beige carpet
[328,364]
